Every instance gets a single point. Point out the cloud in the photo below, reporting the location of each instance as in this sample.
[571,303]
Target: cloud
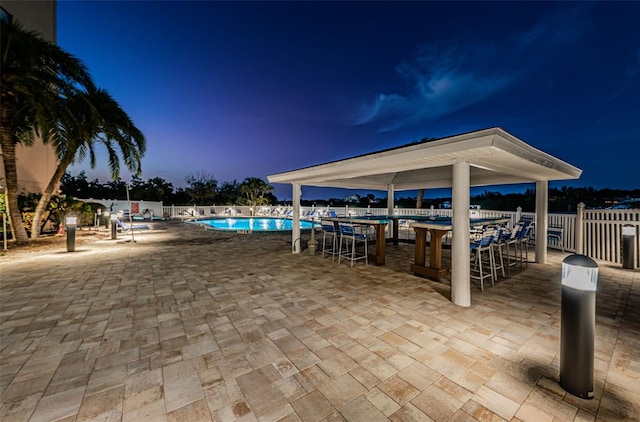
[444,78]
[441,80]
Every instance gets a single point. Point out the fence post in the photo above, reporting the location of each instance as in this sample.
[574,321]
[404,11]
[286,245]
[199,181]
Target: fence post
[580,229]
[518,214]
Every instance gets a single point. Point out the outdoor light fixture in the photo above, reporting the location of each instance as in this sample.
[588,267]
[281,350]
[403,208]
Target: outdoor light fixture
[578,325]
[114,226]
[70,222]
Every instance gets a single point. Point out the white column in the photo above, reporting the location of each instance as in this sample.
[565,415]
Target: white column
[542,211]
[460,252]
[390,198]
[390,201]
[295,231]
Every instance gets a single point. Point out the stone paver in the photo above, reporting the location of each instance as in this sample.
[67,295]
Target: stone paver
[186,324]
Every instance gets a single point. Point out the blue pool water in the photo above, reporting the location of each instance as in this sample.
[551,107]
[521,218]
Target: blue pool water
[253,224]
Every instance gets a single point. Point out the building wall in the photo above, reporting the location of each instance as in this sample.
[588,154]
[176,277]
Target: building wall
[35,163]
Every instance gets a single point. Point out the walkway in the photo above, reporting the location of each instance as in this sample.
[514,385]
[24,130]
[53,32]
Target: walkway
[189,325]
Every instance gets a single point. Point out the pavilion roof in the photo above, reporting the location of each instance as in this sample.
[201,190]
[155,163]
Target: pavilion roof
[495,157]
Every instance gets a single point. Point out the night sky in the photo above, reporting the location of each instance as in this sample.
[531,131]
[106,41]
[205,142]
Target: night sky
[248,89]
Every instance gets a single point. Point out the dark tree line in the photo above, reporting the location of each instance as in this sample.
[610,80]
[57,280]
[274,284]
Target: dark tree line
[201,189]
[564,199]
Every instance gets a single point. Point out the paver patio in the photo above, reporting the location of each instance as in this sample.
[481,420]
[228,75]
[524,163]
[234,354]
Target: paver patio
[189,325]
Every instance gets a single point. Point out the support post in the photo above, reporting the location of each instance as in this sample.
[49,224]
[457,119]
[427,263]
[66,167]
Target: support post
[580,229]
[392,228]
[542,212]
[390,198]
[460,251]
[295,230]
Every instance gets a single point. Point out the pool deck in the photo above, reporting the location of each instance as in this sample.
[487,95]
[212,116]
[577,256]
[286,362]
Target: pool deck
[187,325]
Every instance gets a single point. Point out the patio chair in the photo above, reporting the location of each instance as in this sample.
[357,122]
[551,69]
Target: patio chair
[329,234]
[350,238]
[482,251]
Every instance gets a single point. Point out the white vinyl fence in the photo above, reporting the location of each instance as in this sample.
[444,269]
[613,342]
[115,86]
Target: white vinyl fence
[595,233]
[603,234]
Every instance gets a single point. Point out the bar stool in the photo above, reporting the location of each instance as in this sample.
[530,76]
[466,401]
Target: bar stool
[482,247]
[350,238]
[502,239]
[329,234]
[523,237]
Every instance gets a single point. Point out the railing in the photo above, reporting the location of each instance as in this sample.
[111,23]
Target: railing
[597,235]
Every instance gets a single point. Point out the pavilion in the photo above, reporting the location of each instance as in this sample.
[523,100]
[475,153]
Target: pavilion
[485,157]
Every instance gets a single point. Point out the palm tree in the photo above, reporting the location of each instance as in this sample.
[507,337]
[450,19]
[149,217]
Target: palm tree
[91,118]
[35,75]
[254,190]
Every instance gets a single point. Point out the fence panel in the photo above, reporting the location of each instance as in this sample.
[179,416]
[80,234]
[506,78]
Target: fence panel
[602,229]
[603,234]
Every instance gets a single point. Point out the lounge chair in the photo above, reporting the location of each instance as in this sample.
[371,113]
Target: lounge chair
[135,227]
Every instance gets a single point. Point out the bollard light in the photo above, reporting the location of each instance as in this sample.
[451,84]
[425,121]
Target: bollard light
[71,222]
[312,244]
[628,246]
[580,272]
[114,226]
[578,325]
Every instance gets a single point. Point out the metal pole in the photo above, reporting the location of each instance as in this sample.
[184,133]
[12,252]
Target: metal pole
[133,240]
[4,230]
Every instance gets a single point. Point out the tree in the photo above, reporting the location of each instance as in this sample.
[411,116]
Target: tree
[229,192]
[254,191]
[202,187]
[75,186]
[155,189]
[35,74]
[91,118]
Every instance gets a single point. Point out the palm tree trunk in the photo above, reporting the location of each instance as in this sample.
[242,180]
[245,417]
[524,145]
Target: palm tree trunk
[47,194]
[11,183]
[420,198]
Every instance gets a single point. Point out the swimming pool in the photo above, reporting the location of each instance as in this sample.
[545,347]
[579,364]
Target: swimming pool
[252,224]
